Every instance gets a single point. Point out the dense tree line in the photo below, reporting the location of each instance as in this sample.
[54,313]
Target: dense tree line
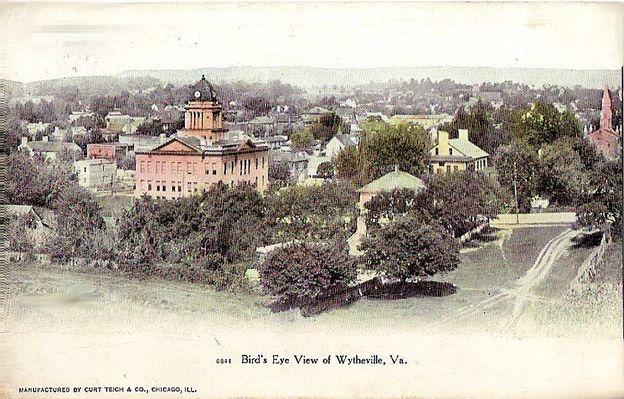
[381,148]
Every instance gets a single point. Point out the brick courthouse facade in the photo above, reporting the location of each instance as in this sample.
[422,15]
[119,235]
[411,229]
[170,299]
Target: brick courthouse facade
[200,155]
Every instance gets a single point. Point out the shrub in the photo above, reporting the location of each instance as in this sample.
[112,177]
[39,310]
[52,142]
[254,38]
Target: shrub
[408,248]
[304,271]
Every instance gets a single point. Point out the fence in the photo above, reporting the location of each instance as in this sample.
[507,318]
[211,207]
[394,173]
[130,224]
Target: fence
[587,270]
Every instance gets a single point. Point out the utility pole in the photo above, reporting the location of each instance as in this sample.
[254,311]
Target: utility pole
[515,183]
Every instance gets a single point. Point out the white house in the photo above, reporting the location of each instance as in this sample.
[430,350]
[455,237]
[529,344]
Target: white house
[338,143]
[95,173]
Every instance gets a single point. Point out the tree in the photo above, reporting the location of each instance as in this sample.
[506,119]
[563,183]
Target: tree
[19,239]
[381,148]
[517,162]
[301,138]
[279,174]
[407,248]
[347,164]
[325,170]
[45,181]
[460,201]
[384,206]
[602,203]
[303,271]
[479,120]
[542,123]
[312,212]
[78,219]
[562,176]
[328,126]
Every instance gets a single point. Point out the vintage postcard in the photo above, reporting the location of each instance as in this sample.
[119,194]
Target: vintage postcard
[311,199]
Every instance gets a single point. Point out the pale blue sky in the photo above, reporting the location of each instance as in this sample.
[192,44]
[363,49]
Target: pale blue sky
[53,40]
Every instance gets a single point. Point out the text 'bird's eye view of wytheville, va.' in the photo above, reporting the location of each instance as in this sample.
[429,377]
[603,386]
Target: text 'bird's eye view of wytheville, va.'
[435,200]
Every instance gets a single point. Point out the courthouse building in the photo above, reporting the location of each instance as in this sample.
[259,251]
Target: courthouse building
[200,155]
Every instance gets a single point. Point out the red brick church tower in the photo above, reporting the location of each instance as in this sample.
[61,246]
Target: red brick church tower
[607,141]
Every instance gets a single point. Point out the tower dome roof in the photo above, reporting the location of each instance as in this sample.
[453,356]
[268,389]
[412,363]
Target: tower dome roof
[203,91]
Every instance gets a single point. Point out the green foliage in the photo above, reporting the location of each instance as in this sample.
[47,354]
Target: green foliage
[221,225]
[386,205]
[312,212]
[479,120]
[347,164]
[78,221]
[381,148]
[602,203]
[542,123]
[328,125]
[279,174]
[459,201]
[408,248]
[19,238]
[30,182]
[301,138]
[562,176]
[518,162]
[325,170]
[303,271]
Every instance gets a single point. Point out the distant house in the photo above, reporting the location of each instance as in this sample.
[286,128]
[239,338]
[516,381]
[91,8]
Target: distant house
[34,128]
[276,142]
[51,150]
[313,115]
[296,163]
[313,163]
[339,142]
[389,182]
[456,154]
[606,140]
[75,115]
[426,121]
[493,98]
[139,142]
[111,151]
[95,173]
[262,126]
[116,123]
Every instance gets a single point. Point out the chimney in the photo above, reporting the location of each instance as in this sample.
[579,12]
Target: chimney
[24,140]
[463,134]
[442,137]
[44,139]
[163,138]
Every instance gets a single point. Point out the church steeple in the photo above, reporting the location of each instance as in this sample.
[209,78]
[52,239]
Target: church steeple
[606,114]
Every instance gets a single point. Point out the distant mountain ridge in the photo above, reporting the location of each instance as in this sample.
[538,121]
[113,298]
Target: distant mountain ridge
[308,77]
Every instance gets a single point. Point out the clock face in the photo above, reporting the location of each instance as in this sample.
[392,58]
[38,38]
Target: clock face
[197,94]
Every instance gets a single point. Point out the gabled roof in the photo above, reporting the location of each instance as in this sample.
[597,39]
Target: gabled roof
[346,139]
[52,146]
[392,180]
[262,120]
[318,110]
[192,143]
[467,148]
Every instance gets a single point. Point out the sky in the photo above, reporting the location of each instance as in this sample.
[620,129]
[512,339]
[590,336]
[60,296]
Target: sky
[45,41]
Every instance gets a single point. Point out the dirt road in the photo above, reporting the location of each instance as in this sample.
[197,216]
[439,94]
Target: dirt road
[522,292]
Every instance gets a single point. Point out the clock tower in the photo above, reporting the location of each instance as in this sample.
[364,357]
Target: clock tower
[204,115]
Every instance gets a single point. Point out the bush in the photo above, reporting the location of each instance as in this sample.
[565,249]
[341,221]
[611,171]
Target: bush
[304,271]
[408,248]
